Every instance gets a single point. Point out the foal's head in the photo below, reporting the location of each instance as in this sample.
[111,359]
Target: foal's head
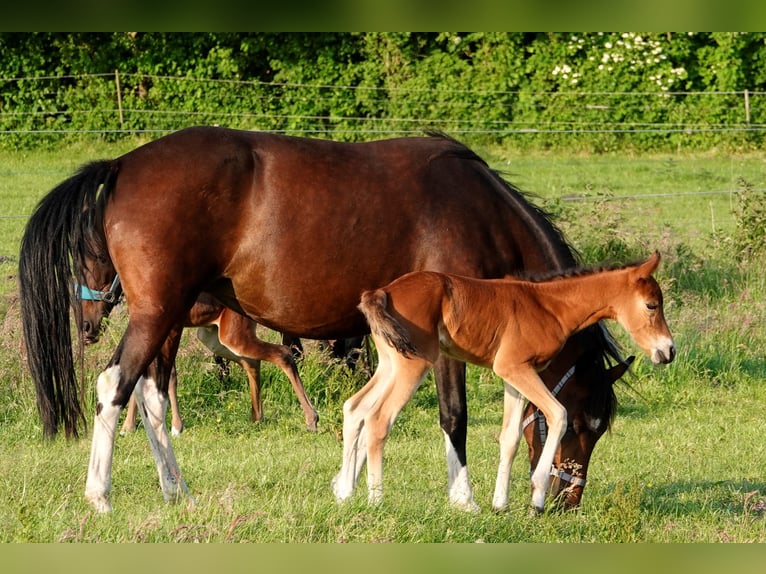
[640,311]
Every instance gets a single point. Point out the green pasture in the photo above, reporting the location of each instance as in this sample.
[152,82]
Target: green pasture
[684,461]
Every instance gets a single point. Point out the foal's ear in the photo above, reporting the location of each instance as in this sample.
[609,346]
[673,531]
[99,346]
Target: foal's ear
[649,266]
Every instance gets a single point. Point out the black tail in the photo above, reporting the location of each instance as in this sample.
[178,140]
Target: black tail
[374,305]
[51,255]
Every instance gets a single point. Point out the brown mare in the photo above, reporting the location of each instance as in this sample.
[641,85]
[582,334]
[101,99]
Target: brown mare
[286,230]
[513,326]
[226,333]
[589,411]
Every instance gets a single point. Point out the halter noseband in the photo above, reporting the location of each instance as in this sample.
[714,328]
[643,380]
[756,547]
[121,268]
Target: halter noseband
[111,295]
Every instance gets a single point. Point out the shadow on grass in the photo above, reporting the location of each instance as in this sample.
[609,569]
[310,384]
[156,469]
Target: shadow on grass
[732,498]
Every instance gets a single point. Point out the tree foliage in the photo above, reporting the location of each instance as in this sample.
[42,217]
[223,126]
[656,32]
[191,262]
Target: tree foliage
[596,90]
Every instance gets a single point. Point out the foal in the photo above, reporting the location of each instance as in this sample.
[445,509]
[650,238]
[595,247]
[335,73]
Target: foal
[513,326]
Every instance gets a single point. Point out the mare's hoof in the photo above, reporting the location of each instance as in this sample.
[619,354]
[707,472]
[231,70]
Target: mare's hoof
[535,510]
[100,502]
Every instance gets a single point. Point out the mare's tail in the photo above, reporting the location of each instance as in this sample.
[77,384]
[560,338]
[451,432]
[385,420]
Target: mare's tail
[52,252]
[374,306]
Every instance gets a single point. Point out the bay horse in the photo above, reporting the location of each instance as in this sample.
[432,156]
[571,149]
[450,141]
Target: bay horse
[513,326]
[226,333]
[286,230]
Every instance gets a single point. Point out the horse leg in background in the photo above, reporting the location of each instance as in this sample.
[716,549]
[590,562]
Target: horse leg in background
[294,344]
[152,403]
[208,336]
[453,418]
[236,333]
[510,437]
[177,424]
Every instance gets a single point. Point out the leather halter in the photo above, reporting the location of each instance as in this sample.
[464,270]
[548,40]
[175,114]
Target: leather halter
[537,415]
[111,295]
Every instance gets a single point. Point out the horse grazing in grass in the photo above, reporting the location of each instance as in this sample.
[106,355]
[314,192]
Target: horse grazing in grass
[226,333]
[589,412]
[288,231]
[513,326]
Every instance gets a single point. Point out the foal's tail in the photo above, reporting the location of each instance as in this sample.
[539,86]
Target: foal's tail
[374,306]
[52,252]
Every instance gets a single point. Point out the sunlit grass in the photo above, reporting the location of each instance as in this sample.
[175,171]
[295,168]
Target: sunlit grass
[682,463]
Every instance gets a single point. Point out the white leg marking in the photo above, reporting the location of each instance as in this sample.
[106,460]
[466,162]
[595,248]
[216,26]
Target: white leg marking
[354,437]
[152,405]
[541,477]
[99,481]
[510,435]
[345,481]
[458,484]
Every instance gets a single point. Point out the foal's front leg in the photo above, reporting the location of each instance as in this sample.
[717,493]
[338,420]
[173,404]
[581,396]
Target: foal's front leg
[510,436]
[527,382]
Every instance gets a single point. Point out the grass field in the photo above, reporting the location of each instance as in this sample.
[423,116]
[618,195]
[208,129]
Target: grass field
[683,463]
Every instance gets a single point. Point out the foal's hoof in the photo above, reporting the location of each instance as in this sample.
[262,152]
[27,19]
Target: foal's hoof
[341,494]
[311,425]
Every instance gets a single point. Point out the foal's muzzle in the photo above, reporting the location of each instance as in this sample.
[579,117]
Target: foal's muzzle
[664,355]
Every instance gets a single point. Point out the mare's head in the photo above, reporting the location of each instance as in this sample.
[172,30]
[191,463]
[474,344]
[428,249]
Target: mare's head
[586,390]
[640,311]
[98,296]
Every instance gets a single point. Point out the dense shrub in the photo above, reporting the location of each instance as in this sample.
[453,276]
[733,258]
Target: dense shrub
[597,91]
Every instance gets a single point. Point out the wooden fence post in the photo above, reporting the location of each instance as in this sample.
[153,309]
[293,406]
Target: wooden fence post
[119,97]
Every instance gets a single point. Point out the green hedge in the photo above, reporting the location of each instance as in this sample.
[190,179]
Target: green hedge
[595,91]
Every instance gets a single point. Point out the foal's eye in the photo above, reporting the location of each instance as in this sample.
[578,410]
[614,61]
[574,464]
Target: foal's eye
[652,306]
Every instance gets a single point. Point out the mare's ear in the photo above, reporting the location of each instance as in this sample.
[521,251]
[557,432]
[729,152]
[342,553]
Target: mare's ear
[616,372]
[649,266]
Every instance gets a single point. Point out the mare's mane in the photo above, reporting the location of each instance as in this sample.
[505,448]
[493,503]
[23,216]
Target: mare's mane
[602,401]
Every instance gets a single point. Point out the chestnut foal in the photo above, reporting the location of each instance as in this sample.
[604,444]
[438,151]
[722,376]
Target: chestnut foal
[513,326]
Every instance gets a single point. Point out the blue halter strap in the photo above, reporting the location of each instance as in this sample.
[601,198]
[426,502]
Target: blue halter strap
[111,295]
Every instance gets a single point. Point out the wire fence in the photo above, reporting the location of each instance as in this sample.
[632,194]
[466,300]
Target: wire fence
[118,104]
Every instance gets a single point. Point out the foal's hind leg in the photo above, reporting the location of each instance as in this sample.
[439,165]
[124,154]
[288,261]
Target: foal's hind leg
[355,409]
[405,377]
[177,423]
[129,424]
[237,333]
